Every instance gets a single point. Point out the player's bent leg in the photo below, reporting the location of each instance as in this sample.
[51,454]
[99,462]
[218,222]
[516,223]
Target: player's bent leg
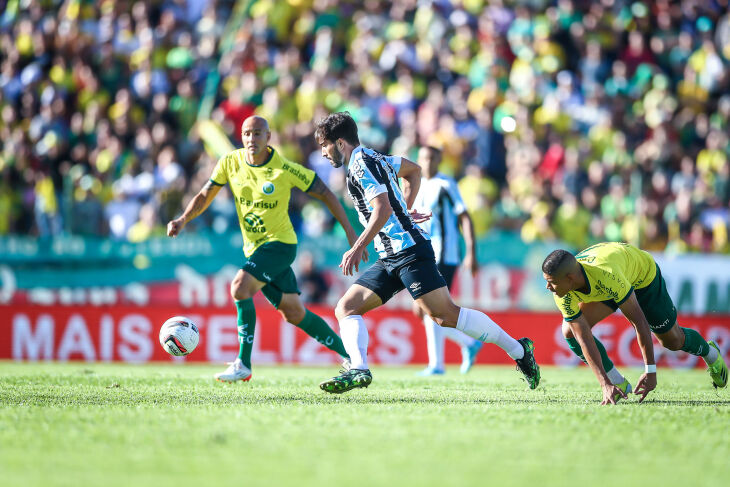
[291,308]
[439,305]
[357,301]
[690,341]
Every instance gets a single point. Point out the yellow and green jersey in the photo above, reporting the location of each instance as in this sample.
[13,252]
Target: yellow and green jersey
[611,270]
[262,195]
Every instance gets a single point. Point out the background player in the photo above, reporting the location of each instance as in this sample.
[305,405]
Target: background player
[608,276]
[406,257]
[261,181]
[439,195]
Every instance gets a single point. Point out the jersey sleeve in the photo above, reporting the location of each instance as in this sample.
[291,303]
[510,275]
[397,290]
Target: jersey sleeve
[394,161]
[568,306]
[372,178]
[299,176]
[220,174]
[453,191]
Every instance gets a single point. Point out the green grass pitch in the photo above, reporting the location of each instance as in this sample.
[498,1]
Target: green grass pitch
[172,425]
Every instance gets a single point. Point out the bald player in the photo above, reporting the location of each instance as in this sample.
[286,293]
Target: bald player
[261,181]
[608,276]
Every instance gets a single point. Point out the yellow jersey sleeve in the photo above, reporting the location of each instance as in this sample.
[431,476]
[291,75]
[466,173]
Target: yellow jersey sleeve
[298,175]
[220,172]
[568,306]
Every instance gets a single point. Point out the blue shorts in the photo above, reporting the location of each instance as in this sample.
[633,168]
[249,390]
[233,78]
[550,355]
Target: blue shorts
[413,268]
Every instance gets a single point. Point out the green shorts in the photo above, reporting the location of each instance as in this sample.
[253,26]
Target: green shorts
[271,263]
[656,304]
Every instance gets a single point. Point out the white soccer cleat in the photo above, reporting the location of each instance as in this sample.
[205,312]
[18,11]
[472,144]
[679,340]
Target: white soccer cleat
[235,371]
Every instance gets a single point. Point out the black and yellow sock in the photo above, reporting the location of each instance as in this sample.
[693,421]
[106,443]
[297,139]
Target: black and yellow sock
[317,328]
[246,327]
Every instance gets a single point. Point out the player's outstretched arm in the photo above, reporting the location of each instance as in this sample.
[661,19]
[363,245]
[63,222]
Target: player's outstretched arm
[467,229]
[381,212]
[631,309]
[197,205]
[320,191]
[410,172]
[582,332]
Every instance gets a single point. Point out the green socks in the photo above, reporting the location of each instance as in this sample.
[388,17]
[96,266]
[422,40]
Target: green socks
[312,325]
[317,328]
[694,343]
[246,327]
[575,347]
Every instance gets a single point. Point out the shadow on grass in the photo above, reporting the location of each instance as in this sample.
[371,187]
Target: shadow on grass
[305,399]
[690,402]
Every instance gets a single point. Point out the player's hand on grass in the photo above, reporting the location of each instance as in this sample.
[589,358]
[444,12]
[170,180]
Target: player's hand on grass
[419,217]
[609,394]
[646,384]
[174,227]
[351,259]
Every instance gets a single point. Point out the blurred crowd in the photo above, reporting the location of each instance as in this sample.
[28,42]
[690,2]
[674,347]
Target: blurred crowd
[574,120]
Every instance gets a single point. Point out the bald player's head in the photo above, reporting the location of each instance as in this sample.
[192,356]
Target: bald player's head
[255,135]
[255,122]
[561,272]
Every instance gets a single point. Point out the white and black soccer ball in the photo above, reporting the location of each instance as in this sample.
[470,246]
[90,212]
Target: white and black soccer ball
[179,336]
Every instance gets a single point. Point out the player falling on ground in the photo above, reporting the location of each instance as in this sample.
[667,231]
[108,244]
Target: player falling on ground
[439,196]
[261,181]
[608,276]
[406,257]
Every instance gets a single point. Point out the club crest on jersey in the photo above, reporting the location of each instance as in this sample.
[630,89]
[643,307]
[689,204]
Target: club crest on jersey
[268,187]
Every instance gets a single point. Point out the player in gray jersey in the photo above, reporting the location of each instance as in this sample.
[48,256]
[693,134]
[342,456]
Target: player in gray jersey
[439,195]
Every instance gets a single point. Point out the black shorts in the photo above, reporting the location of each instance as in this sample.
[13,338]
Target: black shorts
[448,271]
[413,268]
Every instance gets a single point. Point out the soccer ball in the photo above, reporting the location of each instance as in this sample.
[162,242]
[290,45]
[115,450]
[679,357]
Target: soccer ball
[179,336]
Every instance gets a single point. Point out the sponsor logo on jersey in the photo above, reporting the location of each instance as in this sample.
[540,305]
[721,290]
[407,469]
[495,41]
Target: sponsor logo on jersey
[263,205]
[268,187]
[297,173]
[253,223]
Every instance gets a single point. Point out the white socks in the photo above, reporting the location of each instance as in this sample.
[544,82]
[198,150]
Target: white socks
[711,356]
[435,336]
[354,335]
[615,376]
[480,326]
[434,343]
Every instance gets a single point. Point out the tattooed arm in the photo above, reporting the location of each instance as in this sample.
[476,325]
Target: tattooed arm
[320,191]
[197,205]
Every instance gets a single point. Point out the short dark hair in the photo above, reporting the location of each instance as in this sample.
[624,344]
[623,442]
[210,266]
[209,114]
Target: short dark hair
[338,126]
[557,262]
[433,150]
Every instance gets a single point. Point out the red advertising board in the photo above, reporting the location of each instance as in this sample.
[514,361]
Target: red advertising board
[130,334]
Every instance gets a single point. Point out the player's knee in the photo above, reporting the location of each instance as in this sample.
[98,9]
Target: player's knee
[567,332]
[344,309]
[239,291]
